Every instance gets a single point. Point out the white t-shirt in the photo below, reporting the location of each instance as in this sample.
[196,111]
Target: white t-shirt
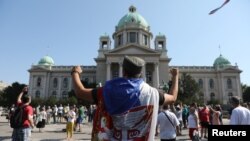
[192,121]
[60,109]
[71,116]
[167,131]
[240,116]
[179,115]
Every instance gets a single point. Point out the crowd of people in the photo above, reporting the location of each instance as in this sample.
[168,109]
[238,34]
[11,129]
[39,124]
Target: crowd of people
[40,116]
[127,108]
[172,119]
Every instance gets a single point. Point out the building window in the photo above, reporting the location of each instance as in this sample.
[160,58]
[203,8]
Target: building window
[145,39]
[229,83]
[200,83]
[55,82]
[211,84]
[115,74]
[160,44]
[201,97]
[212,96]
[149,76]
[104,44]
[39,80]
[132,37]
[119,40]
[65,82]
[37,94]
[54,94]
[64,94]
[230,96]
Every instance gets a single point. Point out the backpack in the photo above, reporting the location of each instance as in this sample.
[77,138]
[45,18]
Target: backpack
[196,136]
[16,119]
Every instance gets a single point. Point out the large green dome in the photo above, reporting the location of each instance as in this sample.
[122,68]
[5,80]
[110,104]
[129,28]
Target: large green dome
[221,62]
[132,17]
[46,61]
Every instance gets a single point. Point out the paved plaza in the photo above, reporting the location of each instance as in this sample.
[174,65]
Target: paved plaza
[53,132]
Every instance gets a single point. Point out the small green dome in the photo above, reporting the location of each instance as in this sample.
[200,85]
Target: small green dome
[46,61]
[132,17]
[221,62]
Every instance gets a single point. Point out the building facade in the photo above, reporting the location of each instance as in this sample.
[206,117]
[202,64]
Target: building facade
[132,36]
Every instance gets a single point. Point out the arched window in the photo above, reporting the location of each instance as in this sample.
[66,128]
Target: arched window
[212,96]
[65,82]
[64,94]
[149,76]
[211,83]
[37,94]
[132,37]
[54,94]
[200,83]
[229,83]
[119,40]
[115,74]
[55,82]
[145,40]
[38,82]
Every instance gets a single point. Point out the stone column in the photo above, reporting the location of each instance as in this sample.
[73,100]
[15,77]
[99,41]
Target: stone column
[238,87]
[156,75]
[108,70]
[120,69]
[144,72]
[59,87]
[47,85]
[206,93]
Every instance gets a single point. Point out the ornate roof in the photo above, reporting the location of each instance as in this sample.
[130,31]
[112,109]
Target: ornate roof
[132,17]
[46,61]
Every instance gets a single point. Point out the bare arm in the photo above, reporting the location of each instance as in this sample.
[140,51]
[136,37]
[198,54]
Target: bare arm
[80,91]
[173,93]
[30,118]
[19,98]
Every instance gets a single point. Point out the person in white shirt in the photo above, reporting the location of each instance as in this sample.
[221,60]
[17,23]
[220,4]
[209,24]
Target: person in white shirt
[169,125]
[41,119]
[193,122]
[60,113]
[240,115]
[71,117]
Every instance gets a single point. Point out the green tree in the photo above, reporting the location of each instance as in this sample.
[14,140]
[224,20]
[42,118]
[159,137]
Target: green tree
[37,101]
[246,93]
[9,94]
[51,101]
[189,90]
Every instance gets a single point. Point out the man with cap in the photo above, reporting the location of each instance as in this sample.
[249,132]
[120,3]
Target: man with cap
[240,115]
[131,103]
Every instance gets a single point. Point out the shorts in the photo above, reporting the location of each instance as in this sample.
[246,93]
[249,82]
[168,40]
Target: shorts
[204,124]
[79,120]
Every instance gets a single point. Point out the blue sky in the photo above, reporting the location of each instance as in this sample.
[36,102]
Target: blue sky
[69,31]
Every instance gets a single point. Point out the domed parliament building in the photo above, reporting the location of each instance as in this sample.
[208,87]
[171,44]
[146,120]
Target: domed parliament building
[132,36]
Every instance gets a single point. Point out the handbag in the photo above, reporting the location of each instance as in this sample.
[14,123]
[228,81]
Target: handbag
[196,136]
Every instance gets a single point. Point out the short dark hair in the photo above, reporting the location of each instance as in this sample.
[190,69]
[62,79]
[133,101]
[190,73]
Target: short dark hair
[25,98]
[235,100]
[132,66]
